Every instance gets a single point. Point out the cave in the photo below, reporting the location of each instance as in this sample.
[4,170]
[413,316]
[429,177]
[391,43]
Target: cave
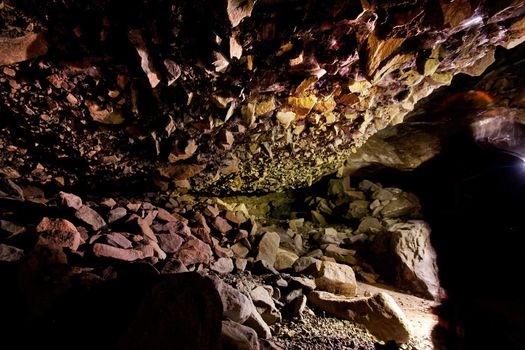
[262,174]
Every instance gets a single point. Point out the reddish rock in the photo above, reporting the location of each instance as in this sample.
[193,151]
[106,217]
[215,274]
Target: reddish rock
[222,266]
[107,251]
[117,214]
[174,266]
[233,218]
[170,243]
[166,216]
[70,200]
[212,211]
[11,227]
[108,203]
[202,234]
[146,230]
[194,251]
[60,232]
[14,50]
[117,239]
[10,254]
[222,225]
[90,217]
[174,228]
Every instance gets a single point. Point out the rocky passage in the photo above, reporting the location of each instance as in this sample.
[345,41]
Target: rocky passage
[278,283]
[238,96]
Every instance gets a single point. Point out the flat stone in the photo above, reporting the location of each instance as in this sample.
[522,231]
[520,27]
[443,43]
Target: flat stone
[146,230]
[194,251]
[90,217]
[108,203]
[307,265]
[268,247]
[336,278]
[70,200]
[222,266]
[367,185]
[170,243]
[379,313]
[9,253]
[398,207]
[116,214]
[107,251]
[284,259]
[237,336]
[117,239]
[60,233]
[211,211]
[305,283]
[240,264]
[341,255]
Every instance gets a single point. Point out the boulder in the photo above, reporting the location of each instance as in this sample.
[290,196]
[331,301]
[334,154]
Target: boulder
[379,313]
[336,278]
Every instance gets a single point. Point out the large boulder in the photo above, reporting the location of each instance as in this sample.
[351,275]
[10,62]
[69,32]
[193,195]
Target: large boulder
[379,313]
[405,256]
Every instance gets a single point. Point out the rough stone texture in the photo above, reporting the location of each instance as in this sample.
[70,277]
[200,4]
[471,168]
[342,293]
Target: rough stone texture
[404,255]
[238,337]
[236,306]
[265,305]
[117,239]
[194,251]
[14,50]
[336,278]
[60,232]
[261,105]
[70,200]
[90,217]
[379,313]
[285,259]
[116,214]
[222,266]
[268,247]
[10,254]
[307,265]
[107,251]
[170,243]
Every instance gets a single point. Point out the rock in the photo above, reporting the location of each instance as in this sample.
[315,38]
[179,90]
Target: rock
[174,228]
[90,217]
[136,38]
[303,282]
[318,218]
[146,229]
[70,200]
[170,243]
[268,247]
[158,250]
[236,306]
[284,260]
[116,214]
[295,224]
[10,190]
[338,187]
[398,207]
[336,278]
[212,211]
[379,313]
[295,307]
[370,224]
[240,264]
[194,251]
[240,250]
[358,209]
[265,305]
[222,266]
[11,228]
[332,236]
[222,225]
[108,203]
[9,253]
[174,266]
[383,194]
[238,337]
[118,240]
[107,251]
[341,255]
[60,233]
[316,253]
[14,50]
[404,255]
[307,265]
[256,322]
[368,186]
[165,216]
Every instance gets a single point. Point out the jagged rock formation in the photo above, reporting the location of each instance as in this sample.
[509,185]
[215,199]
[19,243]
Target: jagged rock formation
[226,96]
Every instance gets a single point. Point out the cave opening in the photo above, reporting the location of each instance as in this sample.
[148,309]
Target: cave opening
[262,174]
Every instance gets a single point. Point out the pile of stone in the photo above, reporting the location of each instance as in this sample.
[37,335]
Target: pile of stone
[300,265]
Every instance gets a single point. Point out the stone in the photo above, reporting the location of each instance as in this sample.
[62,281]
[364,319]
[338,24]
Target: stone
[194,251]
[222,266]
[90,217]
[284,260]
[146,229]
[316,253]
[268,247]
[398,207]
[307,265]
[404,256]
[19,49]
[331,235]
[175,228]
[238,337]
[379,313]
[318,218]
[107,251]
[211,211]
[336,278]
[170,243]
[222,225]
[109,203]
[341,255]
[238,10]
[358,209]
[70,200]
[304,282]
[60,233]
[9,189]
[174,266]
[116,214]
[240,250]
[265,305]
[256,322]
[117,239]
[9,253]
[240,264]
[158,250]
[368,186]
[296,224]
[236,306]
[11,228]
[369,224]
[383,194]
[295,307]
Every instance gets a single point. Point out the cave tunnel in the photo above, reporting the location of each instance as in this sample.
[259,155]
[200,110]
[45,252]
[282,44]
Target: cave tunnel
[262,174]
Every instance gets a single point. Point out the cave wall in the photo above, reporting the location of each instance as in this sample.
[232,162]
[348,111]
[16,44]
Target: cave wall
[224,96]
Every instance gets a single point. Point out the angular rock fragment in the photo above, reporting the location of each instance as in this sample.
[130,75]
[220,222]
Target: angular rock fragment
[284,259]
[116,214]
[90,217]
[336,278]
[117,239]
[170,243]
[237,336]
[222,266]
[268,247]
[60,233]
[9,253]
[14,50]
[107,251]
[194,251]
[70,200]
